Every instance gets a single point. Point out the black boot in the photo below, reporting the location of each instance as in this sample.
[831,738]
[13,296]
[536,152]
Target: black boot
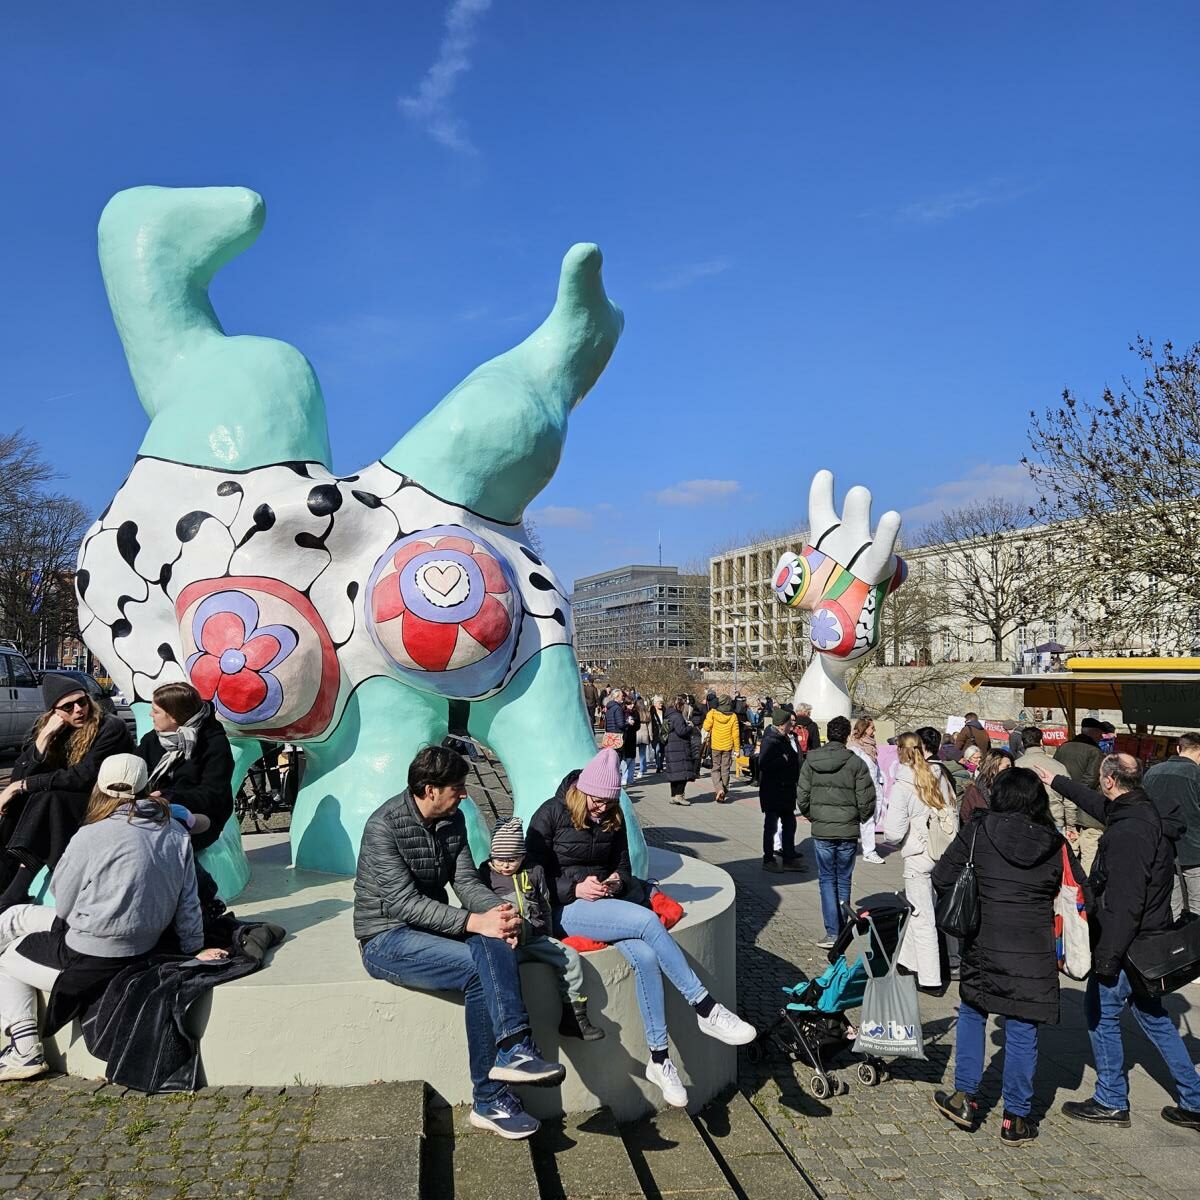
[957,1107]
[575,1022]
[1017,1129]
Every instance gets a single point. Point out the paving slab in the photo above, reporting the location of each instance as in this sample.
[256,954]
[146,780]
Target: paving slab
[583,1158]
[671,1159]
[369,1169]
[381,1110]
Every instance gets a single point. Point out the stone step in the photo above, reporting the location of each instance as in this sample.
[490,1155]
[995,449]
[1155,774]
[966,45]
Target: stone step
[750,1153]
[582,1157]
[364,1142]
[465,1163]
[673,1160]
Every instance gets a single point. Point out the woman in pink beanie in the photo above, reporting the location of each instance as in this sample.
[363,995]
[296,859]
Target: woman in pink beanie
[579,840]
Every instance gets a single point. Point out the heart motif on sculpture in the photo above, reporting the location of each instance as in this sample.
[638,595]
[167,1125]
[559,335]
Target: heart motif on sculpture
[442,579]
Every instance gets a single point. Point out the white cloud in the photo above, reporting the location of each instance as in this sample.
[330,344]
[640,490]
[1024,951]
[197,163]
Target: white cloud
[696,491]
[949,205]
[430,107]
[1009,481]
[562,516]
[690,273]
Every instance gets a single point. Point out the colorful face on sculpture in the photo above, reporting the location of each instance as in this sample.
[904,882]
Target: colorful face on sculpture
[846,610]
[361,615]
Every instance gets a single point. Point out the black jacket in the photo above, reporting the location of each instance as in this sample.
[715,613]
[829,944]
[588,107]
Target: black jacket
[202,783]
[1178,780]
[681,761]
[1134,869]
[1009,967]
[50,774]
[404,866]
[568,855]
[778,771]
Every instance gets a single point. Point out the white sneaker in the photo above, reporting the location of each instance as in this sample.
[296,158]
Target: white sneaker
[22,1066]
[726,1027]
[872,858]
[665,1077]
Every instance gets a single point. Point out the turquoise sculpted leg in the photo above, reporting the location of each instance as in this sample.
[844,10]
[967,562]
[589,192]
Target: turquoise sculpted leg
[538,728]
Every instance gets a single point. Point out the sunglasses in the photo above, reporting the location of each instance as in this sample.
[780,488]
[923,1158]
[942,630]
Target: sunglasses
[67,705]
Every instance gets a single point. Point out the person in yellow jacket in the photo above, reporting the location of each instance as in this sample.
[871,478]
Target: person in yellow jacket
[722,730]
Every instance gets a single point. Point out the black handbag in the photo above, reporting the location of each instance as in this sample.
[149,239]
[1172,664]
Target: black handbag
[1158,963]
[957,908]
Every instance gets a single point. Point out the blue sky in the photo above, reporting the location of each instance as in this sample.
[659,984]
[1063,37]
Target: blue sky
[868,237]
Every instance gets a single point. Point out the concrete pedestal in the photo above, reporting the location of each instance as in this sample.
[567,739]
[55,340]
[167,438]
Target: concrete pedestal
[314,1016]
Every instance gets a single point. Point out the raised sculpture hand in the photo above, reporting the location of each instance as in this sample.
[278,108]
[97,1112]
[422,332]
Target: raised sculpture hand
[345,613]
[842,577]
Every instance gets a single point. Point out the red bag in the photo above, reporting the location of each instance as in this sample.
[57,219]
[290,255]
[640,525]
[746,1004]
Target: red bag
[668,911]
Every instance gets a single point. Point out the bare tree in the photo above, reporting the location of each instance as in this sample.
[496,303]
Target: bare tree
[994,567]
[40,531]
[1125,470]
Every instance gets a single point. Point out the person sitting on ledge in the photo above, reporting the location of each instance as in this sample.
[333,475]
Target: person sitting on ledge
[579,839]
[126,877]
[52,782]
[409,935]
[189,758]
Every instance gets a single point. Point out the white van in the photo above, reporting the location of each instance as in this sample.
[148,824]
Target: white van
[20,697]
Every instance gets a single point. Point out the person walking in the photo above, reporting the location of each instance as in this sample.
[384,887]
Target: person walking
[410,935]
[1132,879]
[778,773]
[862,743]
[1082,757]
[922,819]
[578,838]
[1178,781]
[722,730]
[658,731]
[836,793]
[681,756]
[1010,966]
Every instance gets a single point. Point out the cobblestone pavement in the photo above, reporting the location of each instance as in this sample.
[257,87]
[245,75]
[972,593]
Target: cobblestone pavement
[889,1140]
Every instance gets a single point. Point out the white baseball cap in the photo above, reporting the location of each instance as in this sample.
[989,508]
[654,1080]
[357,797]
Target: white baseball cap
[123,775]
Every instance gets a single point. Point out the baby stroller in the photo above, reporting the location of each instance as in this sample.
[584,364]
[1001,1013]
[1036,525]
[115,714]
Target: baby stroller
[813,1024]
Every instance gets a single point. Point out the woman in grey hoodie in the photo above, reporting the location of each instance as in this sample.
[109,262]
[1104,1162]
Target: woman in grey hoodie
[126,876]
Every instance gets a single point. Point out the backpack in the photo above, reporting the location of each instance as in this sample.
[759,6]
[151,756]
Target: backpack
[801,732]
[940,831]
[664,730]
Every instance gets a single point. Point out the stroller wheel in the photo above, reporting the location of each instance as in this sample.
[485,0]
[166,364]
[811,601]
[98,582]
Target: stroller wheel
[820,1087]
[868,1074]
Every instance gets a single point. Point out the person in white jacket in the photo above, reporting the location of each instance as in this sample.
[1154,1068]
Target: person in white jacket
[862,743]
[920,798]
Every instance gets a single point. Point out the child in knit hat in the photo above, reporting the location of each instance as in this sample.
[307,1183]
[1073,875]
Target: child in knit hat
[526,890]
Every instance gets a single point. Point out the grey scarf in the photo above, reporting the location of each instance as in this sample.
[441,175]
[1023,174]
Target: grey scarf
[179,745]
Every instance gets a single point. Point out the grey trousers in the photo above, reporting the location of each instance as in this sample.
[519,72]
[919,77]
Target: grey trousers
[564,959]
[1190,877]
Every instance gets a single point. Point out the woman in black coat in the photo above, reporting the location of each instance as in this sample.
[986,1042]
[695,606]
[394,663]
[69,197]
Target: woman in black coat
[189,758]
[681,760]
[778,774]
[52,781]
[1009,967]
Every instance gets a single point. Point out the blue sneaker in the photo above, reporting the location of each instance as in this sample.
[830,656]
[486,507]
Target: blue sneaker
[504,1116]
[523,1063]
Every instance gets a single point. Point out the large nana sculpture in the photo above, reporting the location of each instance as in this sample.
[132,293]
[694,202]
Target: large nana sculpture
[842,577]
[346,613]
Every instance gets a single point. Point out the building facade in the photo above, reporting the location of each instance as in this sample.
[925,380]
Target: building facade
[642,610]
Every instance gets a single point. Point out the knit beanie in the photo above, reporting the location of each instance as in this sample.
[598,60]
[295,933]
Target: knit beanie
[601,777]
[56,686]
[725,704]
[508,840]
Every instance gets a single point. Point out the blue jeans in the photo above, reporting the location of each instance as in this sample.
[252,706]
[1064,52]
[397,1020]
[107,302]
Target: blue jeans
[643,758]
[1020,1057]
[1105,999]
[626,771]
[835,866]
[639,935]
[484,969]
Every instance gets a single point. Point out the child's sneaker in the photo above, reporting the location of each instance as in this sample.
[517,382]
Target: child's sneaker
[504,1116]
[1017,1129]
[22,1066]
[726,1027]
[665,1077]
[523,1063]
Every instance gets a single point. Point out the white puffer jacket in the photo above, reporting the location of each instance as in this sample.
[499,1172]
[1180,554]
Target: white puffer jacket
[906,823]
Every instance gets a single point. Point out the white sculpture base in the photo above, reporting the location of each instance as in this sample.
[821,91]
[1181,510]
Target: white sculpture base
[314,1016]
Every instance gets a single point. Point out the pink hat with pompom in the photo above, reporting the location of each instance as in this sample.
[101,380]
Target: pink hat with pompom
[601,777]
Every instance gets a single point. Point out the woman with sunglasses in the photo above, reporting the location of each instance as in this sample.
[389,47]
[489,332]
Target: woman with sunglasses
[52,781]
[579,840]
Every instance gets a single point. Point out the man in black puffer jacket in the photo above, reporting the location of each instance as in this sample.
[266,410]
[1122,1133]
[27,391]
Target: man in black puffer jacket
[412,847]
[1131,879]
